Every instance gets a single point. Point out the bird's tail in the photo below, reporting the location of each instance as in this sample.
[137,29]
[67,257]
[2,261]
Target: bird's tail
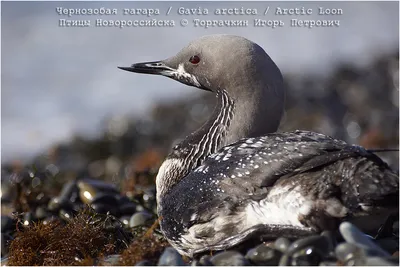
[371,191]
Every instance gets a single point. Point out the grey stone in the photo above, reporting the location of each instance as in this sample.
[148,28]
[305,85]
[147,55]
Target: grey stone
[354,236]
[127,209]
[264,255]
[350,254]
[110,260]
[316,241]
[229,258]
[170,257]
[140,218]
[379,261]
[205,260]
[7,224]
[282,244]
[144,263]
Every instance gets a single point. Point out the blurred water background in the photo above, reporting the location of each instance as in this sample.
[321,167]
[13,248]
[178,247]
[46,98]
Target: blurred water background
[60,82]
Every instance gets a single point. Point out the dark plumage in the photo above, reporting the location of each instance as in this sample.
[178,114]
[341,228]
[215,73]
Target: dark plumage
[322,167]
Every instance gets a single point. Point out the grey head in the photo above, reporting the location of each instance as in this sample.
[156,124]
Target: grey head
[234,64]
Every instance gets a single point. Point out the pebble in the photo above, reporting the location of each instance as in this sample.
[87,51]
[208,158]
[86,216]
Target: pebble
[170,257]
[140,208]
[27,219]
[317,241]
[50,219]
[282,244]
[7,224]
[328,263]
[110,260]
[140,218]
[378,261]
[306,251]
[40,213]
[103,208]
[350,254]
[311,256]
[205,260]
[105,199]
[127,209]
[42,199]
[66,215]
[195,263]
[122,199]
[229,258]
[263,255]
[149,198]
[69,192]
[125,220]
[89,189]
[57,203]
[5,243]
[354,236]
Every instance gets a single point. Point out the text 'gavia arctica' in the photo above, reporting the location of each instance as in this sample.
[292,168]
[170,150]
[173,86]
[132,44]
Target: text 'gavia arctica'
[234,176]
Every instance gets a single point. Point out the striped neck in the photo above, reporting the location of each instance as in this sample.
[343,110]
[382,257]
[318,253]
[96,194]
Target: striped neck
[191,152]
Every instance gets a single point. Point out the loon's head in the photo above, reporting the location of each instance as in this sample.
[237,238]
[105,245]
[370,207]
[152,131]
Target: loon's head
[216,62]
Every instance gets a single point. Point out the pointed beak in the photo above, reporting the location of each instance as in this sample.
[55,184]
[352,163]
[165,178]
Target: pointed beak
[160,68]
[155,67]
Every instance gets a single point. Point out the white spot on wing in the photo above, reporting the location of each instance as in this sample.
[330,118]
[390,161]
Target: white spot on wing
[193,217]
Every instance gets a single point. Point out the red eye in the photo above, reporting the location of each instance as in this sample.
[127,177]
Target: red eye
[194,59]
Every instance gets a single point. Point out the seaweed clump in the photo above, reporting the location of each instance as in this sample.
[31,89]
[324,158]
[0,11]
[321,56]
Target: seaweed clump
[77,242]
[26,248]
[147,247]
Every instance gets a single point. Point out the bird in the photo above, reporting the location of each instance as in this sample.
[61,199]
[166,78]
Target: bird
[236,177]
